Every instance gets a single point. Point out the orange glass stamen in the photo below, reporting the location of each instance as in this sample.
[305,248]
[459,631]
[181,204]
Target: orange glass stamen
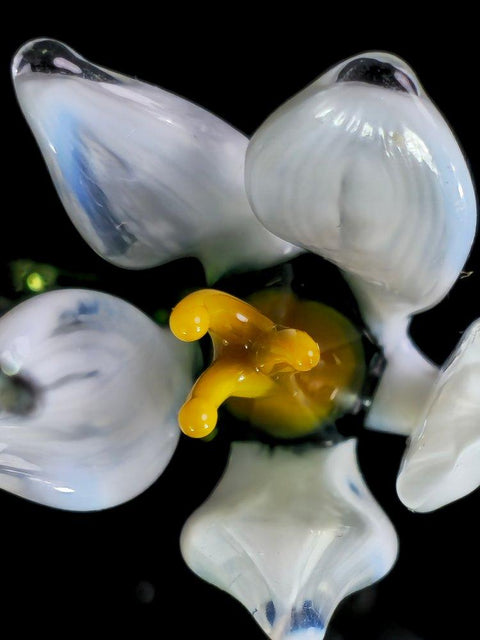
[286,381]
[250,352]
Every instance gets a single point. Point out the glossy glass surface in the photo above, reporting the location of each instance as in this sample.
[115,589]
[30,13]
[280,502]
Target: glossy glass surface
[290,532]
[361,168]
[399,607]
[442,462]
[146,176]
[105,385]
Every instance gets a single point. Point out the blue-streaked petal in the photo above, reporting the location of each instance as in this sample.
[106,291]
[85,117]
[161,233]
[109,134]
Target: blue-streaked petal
[361,168]
[442,461]
[103,385]
[290,533]
[145,175]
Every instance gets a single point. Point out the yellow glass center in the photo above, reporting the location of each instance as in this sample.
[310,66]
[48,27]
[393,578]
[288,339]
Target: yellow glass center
[287,375]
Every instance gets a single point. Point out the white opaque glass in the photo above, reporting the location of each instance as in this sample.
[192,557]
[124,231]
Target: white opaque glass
[145,175]
[289,532]
[442,461]
[105,385]
[361,168]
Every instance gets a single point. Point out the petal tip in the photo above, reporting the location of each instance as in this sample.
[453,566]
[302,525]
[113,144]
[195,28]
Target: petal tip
[48,57]
[41,55]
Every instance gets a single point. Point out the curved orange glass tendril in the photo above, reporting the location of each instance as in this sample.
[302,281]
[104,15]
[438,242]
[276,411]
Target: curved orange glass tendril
[217,312]
[249,350]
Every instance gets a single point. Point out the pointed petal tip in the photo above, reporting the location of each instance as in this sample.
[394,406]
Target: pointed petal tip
[47,57]
[42,55]
[380,68]
[424,497]
[410,497]
[425,485]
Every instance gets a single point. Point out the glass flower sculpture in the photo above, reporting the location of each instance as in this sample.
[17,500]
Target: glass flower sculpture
[359,168]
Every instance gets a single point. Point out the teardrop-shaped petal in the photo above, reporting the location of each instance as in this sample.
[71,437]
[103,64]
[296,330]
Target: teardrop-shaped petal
[289,533]
[442,461]
[145,175]
[104,384]
[361,168]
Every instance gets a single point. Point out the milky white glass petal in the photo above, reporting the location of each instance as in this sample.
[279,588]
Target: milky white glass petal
[289,533]
[145,175]
[361,168]
[442,461]
[105,385]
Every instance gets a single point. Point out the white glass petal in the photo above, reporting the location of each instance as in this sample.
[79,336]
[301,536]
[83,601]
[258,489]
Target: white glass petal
[104,383]
[289,533]
[145,175]
[361,168]
[442,461]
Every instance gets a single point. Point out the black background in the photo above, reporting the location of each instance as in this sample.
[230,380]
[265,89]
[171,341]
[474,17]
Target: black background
[124,564]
